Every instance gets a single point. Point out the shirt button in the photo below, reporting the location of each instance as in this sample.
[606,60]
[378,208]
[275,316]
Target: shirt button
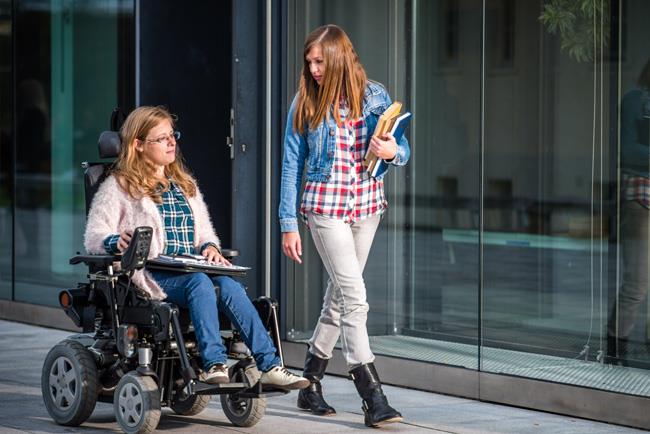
[332,131]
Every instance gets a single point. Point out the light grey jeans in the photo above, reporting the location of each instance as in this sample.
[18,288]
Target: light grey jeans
[633,292]
[344,249]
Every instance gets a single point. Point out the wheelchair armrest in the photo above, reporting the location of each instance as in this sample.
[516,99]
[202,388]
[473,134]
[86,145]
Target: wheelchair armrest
[96,260]
[229,253]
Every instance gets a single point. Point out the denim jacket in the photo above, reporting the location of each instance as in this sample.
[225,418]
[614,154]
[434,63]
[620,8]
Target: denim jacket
[316,148]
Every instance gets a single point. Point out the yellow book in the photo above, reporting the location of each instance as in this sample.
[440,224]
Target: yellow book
[384,125]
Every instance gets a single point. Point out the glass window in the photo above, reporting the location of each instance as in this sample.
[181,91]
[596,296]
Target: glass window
[565,237]
[543,183]
[423,295]
[521,222]
[628,320]
[370,37]
[67,83]
[442,217]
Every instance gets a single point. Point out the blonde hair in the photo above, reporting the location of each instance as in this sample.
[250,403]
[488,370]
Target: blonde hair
[135,174]
[344,75]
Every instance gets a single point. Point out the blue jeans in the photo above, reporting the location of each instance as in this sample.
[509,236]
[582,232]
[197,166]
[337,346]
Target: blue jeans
[195,291]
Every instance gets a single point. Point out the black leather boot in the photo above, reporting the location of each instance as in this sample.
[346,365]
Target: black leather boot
[311,398]
[375,405]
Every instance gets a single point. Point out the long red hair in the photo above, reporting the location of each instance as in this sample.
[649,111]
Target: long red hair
[344,76]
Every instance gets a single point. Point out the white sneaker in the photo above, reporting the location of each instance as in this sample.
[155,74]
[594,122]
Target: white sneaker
[280,377]
[216,374]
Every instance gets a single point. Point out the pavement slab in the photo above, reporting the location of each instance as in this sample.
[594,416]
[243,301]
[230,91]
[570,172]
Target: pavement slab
[24,347]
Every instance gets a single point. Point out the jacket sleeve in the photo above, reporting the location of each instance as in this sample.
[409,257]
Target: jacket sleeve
[103,217]
[293,164]
[403,153]
[203,228]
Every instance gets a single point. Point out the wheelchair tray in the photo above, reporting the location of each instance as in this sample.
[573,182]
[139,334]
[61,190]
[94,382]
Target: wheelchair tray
[196,267]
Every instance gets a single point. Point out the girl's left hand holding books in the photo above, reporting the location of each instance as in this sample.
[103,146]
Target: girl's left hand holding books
[384,147]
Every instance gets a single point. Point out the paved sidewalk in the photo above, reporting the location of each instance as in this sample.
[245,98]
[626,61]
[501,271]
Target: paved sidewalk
[23,349]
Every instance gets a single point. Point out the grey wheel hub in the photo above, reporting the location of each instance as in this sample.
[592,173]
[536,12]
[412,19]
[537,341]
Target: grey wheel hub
[130,404]
[63,383]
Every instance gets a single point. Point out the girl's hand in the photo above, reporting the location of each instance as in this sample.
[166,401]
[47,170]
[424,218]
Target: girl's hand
[125,239]
[291,246]
[384,147]
[212,255]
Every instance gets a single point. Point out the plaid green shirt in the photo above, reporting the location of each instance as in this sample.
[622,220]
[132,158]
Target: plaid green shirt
[178,222]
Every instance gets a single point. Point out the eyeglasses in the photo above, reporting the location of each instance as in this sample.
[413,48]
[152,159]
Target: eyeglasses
[164,140]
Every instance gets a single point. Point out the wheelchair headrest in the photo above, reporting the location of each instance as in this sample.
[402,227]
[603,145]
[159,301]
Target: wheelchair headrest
[109,144]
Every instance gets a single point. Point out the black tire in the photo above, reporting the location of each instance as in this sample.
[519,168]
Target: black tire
[191,405]
[136,404]
[244,412]
[69,383]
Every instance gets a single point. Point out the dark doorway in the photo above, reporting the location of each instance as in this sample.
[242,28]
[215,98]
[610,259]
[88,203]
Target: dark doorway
[185,58]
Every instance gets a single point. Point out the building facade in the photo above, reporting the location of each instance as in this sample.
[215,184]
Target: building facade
[512,263]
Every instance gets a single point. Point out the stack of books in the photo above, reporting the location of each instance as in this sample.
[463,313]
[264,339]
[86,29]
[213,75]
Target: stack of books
[391,121]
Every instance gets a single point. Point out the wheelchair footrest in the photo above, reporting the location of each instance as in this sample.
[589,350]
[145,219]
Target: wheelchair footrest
[260,390]
[268,389]
[201,388]
[266,392]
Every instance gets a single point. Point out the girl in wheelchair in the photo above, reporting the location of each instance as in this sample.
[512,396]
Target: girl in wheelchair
[150,186]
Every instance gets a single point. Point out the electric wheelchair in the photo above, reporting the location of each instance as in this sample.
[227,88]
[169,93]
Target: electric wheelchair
[141,354]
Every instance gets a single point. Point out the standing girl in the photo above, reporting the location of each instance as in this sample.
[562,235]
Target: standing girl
[330,126]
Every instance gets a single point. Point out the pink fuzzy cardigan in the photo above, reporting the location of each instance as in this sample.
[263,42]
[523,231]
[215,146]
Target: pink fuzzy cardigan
[113,211]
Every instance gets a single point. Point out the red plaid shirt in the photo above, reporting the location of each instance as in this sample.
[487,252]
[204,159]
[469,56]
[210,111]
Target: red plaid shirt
[636,188]
[350,194]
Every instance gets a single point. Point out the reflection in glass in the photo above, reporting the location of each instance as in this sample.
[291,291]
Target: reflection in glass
[635,222]
[550,204]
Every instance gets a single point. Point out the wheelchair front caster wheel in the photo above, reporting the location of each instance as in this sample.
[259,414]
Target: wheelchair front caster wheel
[69,383]
[136,403]
[240,411]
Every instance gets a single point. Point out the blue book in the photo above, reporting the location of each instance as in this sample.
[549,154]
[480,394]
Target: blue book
[401,122]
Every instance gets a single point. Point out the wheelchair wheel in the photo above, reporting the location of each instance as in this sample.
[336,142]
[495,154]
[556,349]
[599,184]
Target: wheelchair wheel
[69,383]
[191,405]
[137,404]
[242,412]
